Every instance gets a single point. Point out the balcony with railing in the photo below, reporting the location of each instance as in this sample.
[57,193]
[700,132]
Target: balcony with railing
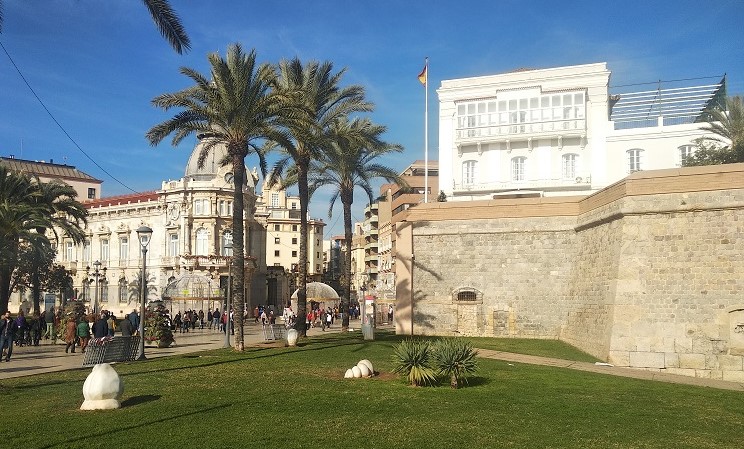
[581,182]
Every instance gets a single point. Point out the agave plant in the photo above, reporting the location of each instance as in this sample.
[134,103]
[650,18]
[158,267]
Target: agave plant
[411,359]
[454,358]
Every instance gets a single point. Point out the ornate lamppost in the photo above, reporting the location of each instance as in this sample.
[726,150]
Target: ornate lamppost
[144,234]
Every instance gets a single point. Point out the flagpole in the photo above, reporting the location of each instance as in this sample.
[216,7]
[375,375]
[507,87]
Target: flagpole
[426,132]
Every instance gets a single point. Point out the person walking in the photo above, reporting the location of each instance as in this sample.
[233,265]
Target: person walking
[70,335]
[83,333]
[6,336]
[126,328]
[100,327]
[49,320]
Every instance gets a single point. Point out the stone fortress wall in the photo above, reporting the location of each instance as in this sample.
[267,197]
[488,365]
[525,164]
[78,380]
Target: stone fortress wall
[646,273]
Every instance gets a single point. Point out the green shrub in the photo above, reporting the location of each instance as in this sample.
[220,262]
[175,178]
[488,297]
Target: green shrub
[411,358]
[454,358]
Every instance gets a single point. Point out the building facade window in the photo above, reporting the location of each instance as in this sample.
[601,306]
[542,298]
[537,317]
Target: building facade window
[517,168]
[274,200]
[294,228]
[123,249]
[69,251]
[277,240]
[277,227]
[86,251]
[173,245]
[635,160]
[104,250]
[91,193]
[104,290]
[294,253]
[123,290]
[294,240]
[201,207]
[276,253]
[294,205]
[683,152]
[202,242]
[469,172]
[227,237]
[225,208]
[569,166]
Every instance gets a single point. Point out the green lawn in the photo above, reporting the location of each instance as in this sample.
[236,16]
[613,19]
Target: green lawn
[297,397]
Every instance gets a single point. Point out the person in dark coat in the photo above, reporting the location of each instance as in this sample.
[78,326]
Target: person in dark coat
[126,328]
[7,331]
[100,327]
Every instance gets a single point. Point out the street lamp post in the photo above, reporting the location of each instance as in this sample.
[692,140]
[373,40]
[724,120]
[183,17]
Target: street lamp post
[96,266]
[143,233]
[228,249]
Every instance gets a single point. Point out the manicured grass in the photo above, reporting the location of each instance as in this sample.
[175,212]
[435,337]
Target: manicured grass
[543,348]
[297,397]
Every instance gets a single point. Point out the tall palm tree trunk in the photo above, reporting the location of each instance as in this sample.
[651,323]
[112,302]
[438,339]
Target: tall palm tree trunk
[237,267]
[302,169]
[346,200]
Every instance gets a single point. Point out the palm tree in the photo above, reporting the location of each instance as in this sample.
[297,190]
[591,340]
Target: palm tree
[349,161]
[726,145]
[166,20]
[235,109]
[28,208]
[318,100]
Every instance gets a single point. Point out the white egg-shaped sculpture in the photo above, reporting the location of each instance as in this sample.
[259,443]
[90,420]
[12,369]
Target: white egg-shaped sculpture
[369,365]
[364,370]
[357,372]
[349,374]
[292,335]
[102,389]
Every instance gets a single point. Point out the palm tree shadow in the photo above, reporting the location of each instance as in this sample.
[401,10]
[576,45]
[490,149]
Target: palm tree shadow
[136,400]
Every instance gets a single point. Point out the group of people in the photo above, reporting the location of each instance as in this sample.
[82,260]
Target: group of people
[79,332]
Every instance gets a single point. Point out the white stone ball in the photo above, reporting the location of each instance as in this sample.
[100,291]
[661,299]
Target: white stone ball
[349,374]
[292,336]
[102,388]
[369,365]
[357,372]
[364,370]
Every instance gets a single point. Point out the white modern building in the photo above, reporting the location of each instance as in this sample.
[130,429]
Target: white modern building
[562,131]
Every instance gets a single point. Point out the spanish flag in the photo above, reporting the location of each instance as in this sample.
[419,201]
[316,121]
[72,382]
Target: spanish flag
[423,75]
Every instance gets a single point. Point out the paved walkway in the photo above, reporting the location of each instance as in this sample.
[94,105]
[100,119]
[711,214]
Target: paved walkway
[48,357]
[27,361]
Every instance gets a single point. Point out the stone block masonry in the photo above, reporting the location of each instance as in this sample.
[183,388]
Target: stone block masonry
[645,273]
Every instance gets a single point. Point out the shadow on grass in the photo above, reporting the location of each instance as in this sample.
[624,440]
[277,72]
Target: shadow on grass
[131,402]
[108,431]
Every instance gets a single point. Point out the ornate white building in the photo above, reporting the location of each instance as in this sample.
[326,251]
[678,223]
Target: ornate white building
[561,131]
[191,219]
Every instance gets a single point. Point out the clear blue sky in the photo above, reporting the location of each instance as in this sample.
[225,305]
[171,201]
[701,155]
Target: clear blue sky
[97,64]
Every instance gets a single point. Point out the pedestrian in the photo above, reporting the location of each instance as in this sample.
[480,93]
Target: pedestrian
[35,329]
[49,320]
[256,314]
[83,333]
[100,326]
[201,318]
[19,328]
[70,334]
[134,319]
[126,328]
[210,323]
[390,313]
[111,324]
[6,336]
[216,319]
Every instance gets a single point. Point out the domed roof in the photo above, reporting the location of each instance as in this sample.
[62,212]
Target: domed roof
[318,290]
[192,286]
[211,168]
